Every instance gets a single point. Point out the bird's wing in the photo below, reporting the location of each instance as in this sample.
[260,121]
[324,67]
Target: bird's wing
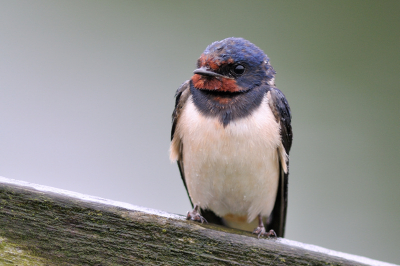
[179,103]
[281,111]
[181,97]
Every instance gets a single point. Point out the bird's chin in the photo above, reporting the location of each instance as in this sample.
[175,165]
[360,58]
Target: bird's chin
[207,89]
[222,91]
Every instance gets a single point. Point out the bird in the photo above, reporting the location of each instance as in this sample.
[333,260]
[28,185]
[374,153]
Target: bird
[231,137]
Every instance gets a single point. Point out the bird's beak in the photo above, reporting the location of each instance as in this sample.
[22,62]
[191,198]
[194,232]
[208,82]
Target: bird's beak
[207,72]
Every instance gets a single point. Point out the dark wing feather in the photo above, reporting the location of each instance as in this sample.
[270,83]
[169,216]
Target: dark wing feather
[181,96]
[281,110]
[179,103]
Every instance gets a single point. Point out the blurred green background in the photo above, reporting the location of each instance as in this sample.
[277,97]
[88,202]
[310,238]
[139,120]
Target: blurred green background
[86,95]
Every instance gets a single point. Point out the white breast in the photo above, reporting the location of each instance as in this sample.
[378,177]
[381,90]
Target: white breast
[231,170]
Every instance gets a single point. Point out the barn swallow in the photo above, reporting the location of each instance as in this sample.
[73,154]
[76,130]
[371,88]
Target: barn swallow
[231,137]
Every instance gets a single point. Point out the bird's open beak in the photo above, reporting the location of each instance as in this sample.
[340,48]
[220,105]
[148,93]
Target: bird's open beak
[207,72]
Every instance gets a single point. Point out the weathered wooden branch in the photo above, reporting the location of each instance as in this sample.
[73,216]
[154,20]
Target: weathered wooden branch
[46,226]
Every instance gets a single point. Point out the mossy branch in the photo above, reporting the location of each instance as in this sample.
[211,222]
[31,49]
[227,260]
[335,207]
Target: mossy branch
[46,226]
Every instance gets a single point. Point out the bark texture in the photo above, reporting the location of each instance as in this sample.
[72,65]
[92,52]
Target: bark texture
[49,228]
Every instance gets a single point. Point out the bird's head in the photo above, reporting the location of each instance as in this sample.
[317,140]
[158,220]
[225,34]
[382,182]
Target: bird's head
[232,65]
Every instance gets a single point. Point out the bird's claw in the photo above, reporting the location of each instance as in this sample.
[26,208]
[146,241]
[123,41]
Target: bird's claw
[260,231]
[195,216]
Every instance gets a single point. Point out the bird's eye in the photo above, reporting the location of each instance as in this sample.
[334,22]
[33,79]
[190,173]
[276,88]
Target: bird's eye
[238,69]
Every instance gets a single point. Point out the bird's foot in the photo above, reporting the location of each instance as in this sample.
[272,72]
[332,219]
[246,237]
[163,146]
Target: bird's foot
[260,231]
[194,215]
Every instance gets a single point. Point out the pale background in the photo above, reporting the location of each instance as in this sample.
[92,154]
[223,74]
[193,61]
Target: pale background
[86,95]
